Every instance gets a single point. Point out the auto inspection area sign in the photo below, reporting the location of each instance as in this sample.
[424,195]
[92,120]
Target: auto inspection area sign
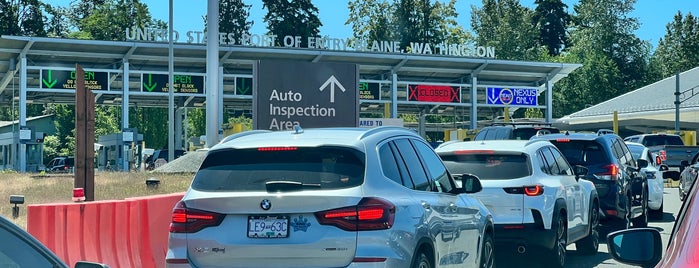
[307,94]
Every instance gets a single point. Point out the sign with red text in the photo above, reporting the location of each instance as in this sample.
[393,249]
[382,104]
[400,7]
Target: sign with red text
[434,93]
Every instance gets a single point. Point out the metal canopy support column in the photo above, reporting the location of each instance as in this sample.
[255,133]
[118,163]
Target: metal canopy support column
[212,46]
[394,95]
[549,99]
[125,115]
[474,101]
[23,110]
[220,102]
[178,124]
[171,93]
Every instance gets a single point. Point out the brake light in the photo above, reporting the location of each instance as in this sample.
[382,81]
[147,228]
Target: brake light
[658,160]
[663,155]
[474,152]
[611,173]
[563,140]
[371,213]
[276,149]
[187,220]
[534,190]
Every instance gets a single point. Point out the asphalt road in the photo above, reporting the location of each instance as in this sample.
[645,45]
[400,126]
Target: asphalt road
[671,205]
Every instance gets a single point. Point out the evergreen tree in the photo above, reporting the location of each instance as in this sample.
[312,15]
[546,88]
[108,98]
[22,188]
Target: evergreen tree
[107,21]
[233,18]
[506,26]
[294,18]
[371,20]
[551,19]
[678,50]
[22,18]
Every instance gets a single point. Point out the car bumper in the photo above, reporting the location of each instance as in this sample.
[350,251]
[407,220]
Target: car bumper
[520,238]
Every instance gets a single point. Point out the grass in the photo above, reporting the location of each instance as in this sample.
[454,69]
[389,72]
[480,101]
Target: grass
[58,188]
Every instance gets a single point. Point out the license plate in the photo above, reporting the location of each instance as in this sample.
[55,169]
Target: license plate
[268,226]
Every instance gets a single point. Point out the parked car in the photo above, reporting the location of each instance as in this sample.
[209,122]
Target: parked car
[654,174]
[539,202]
[21,249]
[333,197]
[622,190]
[161,154]
[514,131]
[644,246]
[669,147]
[64,164]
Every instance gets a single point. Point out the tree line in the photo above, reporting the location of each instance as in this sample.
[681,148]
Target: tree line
[597,33]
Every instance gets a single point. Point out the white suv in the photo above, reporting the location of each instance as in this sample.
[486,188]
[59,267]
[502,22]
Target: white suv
[537,199]
[336,197]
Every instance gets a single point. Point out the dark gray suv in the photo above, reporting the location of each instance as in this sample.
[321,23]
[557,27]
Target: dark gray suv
[622,190]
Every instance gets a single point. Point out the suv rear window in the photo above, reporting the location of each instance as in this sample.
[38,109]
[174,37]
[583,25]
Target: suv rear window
[289,169]
[527,133]
[489,166]
[662,140]
[582,152]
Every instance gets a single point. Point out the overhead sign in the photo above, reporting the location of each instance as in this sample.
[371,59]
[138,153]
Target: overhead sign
[61,79]
[434,93]
[369,91]
[511,96]
[182,83]
[243,86]
[307,94]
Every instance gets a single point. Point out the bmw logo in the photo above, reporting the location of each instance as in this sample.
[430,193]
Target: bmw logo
[266,204]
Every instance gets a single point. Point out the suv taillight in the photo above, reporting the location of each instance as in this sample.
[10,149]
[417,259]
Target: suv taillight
[663,155]
[371,213]
[528,190]
[187,220]
[611,173]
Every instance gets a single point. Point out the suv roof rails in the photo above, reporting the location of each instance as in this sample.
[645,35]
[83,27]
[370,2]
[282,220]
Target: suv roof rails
[604,131]
[529,123]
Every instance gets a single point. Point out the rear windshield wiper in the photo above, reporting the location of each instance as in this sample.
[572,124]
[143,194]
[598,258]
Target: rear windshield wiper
[288,186]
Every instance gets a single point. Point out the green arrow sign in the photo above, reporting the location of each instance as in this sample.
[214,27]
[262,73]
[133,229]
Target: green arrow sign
[50,82]
[150,86]
[243,85]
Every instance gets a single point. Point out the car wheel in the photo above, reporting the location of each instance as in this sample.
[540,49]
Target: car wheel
[642,220]
[657,214]
[590,244]
[421,261]
[487,253]
[557,255]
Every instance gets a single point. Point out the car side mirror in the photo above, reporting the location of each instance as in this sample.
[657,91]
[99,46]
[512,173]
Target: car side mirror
[639,246]
[580,171]
[470,183]
[87,264]
[642,163]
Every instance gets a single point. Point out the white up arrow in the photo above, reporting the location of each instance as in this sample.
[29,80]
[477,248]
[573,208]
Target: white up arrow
[332,81]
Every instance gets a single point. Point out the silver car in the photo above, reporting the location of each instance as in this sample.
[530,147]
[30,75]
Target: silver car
[335,197]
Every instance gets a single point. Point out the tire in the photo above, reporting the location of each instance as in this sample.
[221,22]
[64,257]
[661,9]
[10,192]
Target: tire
[421,261]
[657,214]
[590,244]
[487,253]
[556,256]
[642,221]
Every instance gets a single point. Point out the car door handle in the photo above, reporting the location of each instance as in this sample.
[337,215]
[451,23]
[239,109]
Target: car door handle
[425,205]
[453,208]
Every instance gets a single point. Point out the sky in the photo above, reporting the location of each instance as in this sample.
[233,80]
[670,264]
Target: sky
[653,15]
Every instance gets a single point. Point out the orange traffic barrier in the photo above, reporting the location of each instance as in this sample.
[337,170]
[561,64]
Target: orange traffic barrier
[119,233]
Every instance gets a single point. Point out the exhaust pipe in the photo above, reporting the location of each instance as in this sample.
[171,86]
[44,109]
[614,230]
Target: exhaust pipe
[521,249]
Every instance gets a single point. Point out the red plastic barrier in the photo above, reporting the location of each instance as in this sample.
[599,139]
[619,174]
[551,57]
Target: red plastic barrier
[119,233]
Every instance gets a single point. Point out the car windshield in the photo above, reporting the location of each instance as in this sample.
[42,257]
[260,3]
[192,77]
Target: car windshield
[582,152]
[489,166]
[316,168]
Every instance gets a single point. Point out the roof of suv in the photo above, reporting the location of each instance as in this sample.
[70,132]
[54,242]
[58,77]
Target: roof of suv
[572,136]
[354,137]
[495,145]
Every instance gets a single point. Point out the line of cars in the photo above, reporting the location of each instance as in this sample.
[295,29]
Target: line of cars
[384,197]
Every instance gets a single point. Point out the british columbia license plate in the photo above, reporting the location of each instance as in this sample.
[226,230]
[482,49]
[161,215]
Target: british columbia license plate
[268,226]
